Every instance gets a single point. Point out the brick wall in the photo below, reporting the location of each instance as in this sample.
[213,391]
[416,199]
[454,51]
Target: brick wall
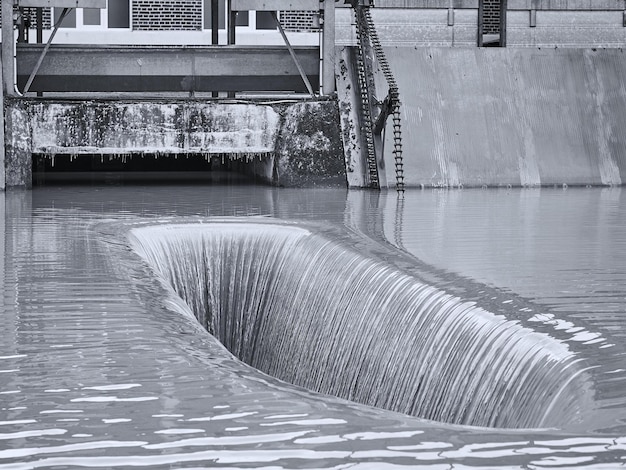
[298,21]
[491,16]
[176,15]
[30,12]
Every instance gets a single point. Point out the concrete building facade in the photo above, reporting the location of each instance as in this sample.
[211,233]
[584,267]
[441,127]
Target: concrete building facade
[161,22]
[527,23]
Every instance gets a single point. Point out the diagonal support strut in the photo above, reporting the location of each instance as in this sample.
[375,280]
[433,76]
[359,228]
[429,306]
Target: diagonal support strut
[293,55]
[45,50]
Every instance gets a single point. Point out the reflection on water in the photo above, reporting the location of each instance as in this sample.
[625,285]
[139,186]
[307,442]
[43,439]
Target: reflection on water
[98,371]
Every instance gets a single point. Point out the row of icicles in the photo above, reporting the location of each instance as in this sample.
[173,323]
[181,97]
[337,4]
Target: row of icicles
[207,156]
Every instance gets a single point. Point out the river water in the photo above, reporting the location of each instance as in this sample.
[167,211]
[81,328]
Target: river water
[101,366]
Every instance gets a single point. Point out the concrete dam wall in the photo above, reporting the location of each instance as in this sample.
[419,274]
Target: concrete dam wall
[281,143]
[470,117]
[500,117]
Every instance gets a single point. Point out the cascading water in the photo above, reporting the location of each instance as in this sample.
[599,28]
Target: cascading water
[318,314]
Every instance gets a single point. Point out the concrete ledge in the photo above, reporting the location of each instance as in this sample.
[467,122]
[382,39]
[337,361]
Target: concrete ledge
[424,27]
[412,4]
[580,29]
[561,5]
[511,5]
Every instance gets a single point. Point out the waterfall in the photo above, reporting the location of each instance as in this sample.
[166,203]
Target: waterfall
[317,313]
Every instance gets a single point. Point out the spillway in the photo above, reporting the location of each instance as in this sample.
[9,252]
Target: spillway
[323,315]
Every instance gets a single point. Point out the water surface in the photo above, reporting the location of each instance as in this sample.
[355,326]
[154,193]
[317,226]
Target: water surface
[98,370]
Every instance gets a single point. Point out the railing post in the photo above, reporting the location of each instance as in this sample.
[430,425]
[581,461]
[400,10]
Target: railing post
[328,48]
[215,24]
[39,21]
[503,13]
[8,48]
[231,20]
[481,9]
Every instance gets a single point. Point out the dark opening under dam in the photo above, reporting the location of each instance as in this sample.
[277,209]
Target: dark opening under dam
[321,315]
[142,168]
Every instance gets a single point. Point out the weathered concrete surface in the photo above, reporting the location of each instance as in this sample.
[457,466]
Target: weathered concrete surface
[524,117]
[309,150]
[110,127]
[350,113]
[2,160]
[283,144]
[17,146]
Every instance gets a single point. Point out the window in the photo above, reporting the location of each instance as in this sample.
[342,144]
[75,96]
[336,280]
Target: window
[265,20]
[117,15]
[262,20]
[92,17]
[208,14]
[69,21]
[243,18]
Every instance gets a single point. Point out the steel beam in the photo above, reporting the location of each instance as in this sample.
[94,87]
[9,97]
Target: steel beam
[281,5]
[328,48]
[94,68]
[63,3]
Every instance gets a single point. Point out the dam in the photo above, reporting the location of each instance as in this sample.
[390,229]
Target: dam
[474,319]
[494,121]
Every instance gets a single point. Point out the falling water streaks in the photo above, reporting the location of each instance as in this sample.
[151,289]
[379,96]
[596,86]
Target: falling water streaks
[323,316]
